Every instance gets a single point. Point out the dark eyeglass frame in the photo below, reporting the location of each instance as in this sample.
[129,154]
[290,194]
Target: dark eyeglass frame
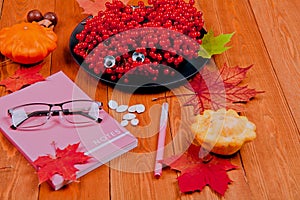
[51,112]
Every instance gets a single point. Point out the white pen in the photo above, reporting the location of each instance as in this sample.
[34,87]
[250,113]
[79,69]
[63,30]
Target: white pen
[161,140]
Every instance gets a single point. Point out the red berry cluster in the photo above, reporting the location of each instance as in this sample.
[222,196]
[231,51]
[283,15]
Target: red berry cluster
[113,45]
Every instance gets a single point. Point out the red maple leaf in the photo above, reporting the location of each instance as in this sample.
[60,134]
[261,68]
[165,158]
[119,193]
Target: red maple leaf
[92,7]
[196,173]
[62,163]
[215,89]
[22,77]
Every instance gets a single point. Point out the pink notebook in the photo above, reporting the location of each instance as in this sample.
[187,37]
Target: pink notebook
[103,141]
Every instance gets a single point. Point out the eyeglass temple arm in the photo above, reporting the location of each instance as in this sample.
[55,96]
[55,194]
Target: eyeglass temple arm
[35,113]
[67,112]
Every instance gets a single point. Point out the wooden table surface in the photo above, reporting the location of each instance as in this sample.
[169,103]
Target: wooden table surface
[266,35]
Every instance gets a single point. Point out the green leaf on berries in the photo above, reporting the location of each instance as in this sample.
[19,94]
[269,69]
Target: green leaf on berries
[212,45]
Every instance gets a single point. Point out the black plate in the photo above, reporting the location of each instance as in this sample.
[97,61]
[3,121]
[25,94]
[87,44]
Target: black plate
[139,84]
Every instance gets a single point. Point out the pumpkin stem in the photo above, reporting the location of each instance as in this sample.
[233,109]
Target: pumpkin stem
[46,23]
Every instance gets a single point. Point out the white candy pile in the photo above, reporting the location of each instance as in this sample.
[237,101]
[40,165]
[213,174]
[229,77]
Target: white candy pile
[130,116]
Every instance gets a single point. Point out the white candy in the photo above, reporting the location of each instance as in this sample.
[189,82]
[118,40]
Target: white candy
[129,116]
[132,108]
[121,108]
[134,122]
[140,108]
[124,123]
[112,104]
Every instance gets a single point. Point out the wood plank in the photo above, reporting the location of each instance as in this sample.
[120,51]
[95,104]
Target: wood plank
[20,180]
[18,177]
[271,161]
[95,183]
[91,186]
[132,174]
[283,17]
[182,118]
[68,19]
[84,188]
[1,3]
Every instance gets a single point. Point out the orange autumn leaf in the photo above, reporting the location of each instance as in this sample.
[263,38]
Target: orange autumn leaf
[22,77]
[92,7]
[61,163]
[197,173]
[135,2]
[220,89]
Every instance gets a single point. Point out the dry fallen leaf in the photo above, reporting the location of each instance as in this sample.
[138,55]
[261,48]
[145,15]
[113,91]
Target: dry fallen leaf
[23,77]
[92,7]
[219,89]
[62,163]
[197,173]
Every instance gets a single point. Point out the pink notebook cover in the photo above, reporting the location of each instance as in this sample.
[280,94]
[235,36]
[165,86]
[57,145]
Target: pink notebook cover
[103,141]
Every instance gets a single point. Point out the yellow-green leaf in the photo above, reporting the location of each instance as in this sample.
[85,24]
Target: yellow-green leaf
[212,45]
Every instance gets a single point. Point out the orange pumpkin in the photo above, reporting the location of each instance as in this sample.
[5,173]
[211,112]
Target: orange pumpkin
[27,43]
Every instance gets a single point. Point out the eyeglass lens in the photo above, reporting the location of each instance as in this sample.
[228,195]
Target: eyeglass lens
[75,112]
[30,116]
[78,112]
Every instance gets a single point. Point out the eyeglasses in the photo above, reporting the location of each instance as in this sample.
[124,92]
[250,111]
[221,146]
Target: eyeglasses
[33,115]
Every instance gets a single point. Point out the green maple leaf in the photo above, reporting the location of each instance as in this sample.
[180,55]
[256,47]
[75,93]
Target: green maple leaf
[212,45]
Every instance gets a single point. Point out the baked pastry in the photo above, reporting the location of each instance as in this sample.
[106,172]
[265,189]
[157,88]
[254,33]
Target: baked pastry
[222,132]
